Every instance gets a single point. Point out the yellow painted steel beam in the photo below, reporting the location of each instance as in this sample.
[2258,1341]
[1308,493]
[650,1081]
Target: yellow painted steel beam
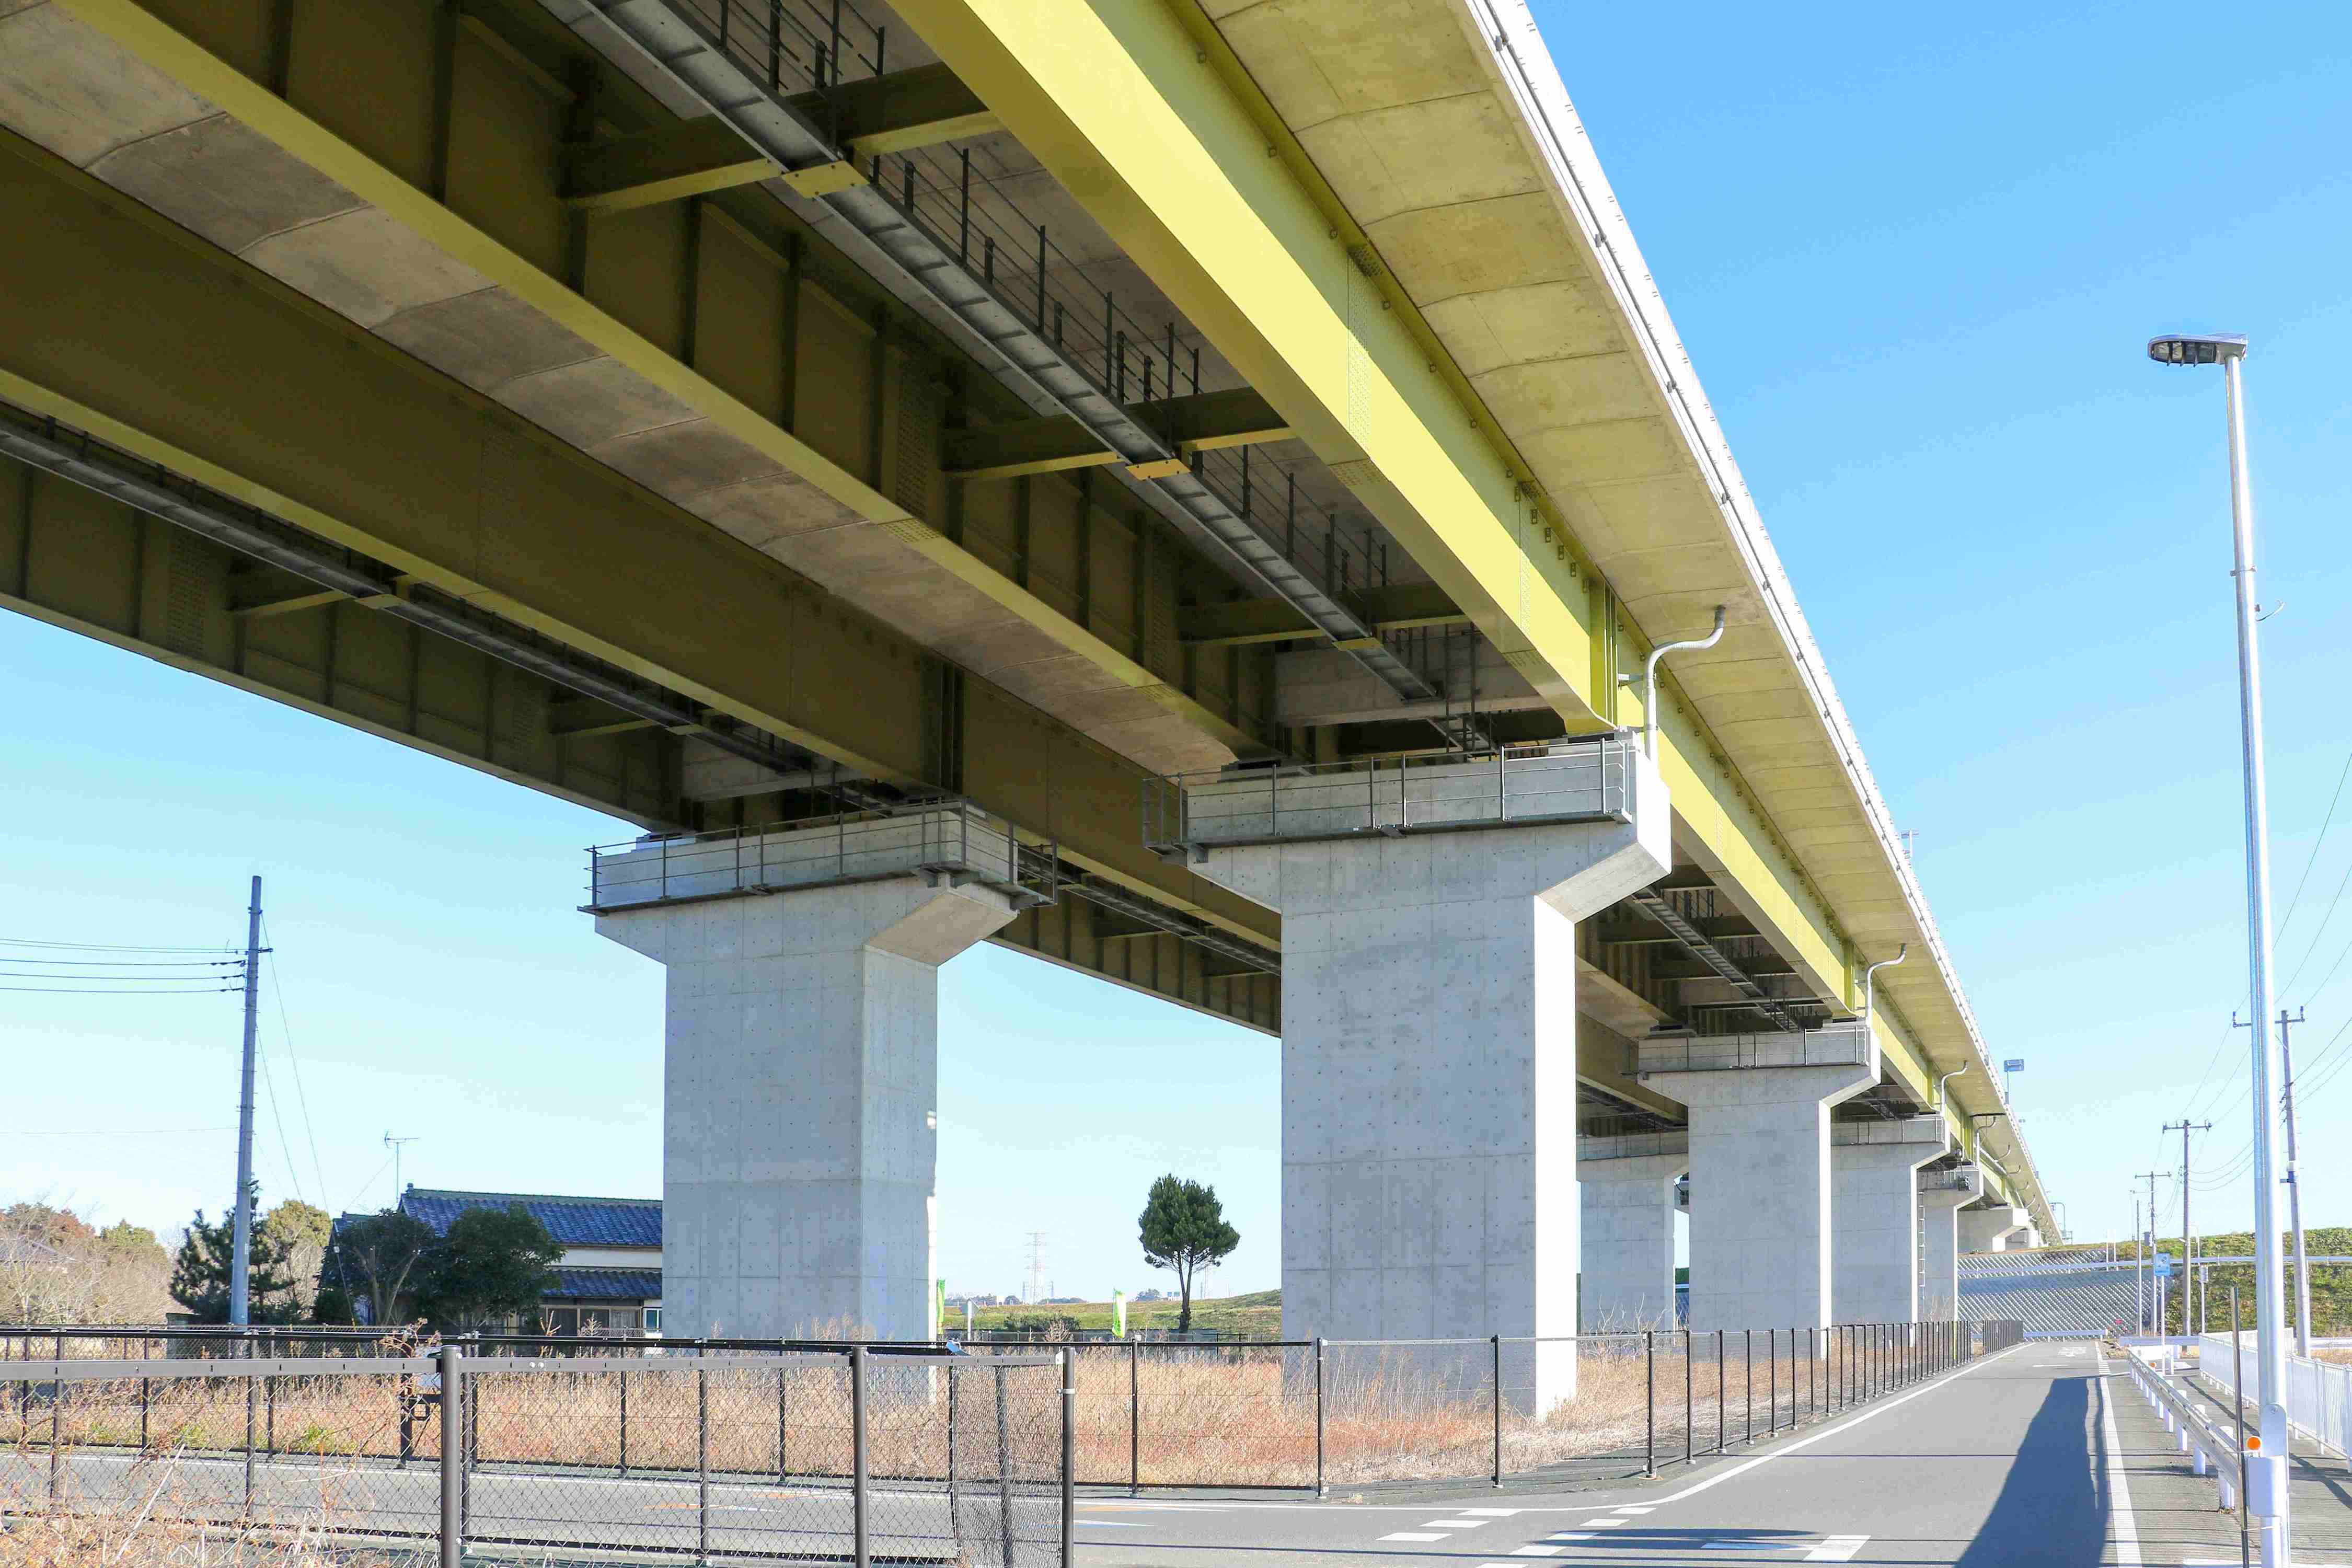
[1200,422]
[1397,607]
[153,30]
[878,115]
[1140,112]
[244,385]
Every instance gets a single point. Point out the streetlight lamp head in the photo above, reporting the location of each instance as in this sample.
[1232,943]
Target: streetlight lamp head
[2184,348]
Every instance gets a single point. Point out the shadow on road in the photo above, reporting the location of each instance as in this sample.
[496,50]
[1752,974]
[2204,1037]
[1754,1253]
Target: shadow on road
[2053,1507]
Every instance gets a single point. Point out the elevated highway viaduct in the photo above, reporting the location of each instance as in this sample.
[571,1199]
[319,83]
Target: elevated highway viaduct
[1076,473]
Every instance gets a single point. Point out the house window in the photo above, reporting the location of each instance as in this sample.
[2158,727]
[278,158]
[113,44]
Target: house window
[653,1320]
[563,1320]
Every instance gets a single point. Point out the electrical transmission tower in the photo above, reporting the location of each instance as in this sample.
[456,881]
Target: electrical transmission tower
[1036,1265]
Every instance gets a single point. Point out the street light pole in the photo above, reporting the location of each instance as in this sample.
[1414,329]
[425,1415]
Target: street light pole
[2266,1493]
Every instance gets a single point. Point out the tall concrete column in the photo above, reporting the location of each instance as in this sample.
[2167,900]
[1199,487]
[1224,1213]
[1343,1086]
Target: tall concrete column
[1993,1228]
[1760,1166]
[1429,1032]
[1941,1194]
[1875,1209]
[1629,1228]
[802,1067]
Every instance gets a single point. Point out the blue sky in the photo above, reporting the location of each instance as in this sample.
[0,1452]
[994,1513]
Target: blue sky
[1915,257]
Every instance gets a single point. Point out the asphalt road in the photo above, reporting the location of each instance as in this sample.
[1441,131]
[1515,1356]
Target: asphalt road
[2028,1459]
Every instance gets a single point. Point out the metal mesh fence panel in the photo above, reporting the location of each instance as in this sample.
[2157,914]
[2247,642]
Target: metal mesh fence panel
[1409,1410]
[113,1447]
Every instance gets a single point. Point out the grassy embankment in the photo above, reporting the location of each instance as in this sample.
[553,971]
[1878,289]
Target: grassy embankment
[1256,1316]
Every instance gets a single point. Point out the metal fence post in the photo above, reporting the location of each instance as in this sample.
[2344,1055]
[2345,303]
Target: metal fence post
[701,1463]
[247,1514]
[857,1478]
[1649,1402]
[1003,1481]
[1688,1405]
[1747,1366]
[782,1377]
[146,1352]
[1135,1419]
[453,1448]
[1070,1370]
[1722,1392]
[57,1416]
[1321,1419]
[1499,1412]
[624,1423]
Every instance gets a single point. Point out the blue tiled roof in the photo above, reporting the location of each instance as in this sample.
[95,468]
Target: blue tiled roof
[607,1285]
[572,1222]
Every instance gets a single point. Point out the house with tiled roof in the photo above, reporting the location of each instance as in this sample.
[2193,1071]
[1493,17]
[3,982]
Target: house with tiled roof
[608,1280]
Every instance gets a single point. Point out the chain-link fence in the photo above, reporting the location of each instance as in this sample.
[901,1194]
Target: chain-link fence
[846,1453]
[749,1447]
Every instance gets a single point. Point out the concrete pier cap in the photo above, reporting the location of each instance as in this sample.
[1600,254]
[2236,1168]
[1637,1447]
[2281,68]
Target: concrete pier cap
[800,1087]
[1429,1097]
[1996,1227]
[1759,1106]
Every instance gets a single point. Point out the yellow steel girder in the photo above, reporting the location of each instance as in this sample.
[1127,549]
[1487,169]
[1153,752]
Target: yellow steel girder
[1137,109]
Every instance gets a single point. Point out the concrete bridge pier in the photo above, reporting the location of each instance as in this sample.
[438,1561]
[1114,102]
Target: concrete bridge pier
[1628,1215]
[1875,1209]
[1941,1194]
[1760,1165]
[1428,1096]
[799,1143]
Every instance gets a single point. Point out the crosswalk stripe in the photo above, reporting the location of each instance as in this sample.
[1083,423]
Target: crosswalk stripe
[1837,1549]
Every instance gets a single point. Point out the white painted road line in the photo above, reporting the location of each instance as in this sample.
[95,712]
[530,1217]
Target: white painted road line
[2121,1524]
[1604,1523]
[1837,1549]
[1538,1551]
[1416,1535]
[1633,1508]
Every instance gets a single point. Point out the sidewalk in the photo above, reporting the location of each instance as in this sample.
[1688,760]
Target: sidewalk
[2179,1512]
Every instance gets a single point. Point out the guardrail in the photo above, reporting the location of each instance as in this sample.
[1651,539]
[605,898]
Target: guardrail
[2216,1450]
[1580,779]
[951,837]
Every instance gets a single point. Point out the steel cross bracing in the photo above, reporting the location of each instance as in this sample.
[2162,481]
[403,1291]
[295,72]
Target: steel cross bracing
[1655,905]
[901,253]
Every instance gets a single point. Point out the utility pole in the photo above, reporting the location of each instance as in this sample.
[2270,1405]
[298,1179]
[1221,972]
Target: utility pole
[240,1266]
[2139,1274]
[2155,1280]
[2187,1237]
[2294,1187]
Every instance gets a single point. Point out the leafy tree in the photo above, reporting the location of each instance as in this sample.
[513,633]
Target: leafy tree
[200,1275]
[490,1263]
[301,1232]
[1183,1227]
[379,1259]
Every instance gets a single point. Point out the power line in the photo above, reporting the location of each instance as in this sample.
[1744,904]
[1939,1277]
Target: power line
[105,947]
[2295,902]
[126,991]
[310,1128]
[118,962]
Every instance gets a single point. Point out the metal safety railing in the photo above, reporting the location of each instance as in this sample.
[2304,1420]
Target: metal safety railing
[1578,779]
[893,1453]
[953,837]
[2318,1393]
[2213,1448]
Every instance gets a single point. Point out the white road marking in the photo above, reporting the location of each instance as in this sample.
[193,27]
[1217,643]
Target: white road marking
[1538,1551]
[2121,1524]
[1837,1549]
[1413,1535]
[1570,1535]
[1881,1409]
[1604,1523]
[1635,1508]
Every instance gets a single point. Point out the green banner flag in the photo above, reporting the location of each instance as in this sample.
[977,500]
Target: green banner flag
[939,1306]
[1119,1313]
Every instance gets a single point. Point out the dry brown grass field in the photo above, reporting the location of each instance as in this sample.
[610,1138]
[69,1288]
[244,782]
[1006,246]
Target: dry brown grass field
[1180,1416]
